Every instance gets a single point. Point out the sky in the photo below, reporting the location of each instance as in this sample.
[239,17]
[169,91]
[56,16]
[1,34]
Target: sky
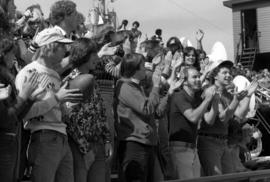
[179,18]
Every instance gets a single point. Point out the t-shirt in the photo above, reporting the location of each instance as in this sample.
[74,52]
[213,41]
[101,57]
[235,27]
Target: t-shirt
[45,113]
[219,127]
[181,129]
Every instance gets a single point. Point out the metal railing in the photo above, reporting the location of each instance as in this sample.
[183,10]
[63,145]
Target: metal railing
[251,176]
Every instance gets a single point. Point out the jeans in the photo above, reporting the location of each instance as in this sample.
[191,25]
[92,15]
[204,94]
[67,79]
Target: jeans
[90,167]
[8,157]
[137,161]
[185,161]
[215,156]
[50,157]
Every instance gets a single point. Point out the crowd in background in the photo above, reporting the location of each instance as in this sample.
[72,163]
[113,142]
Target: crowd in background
[175,109]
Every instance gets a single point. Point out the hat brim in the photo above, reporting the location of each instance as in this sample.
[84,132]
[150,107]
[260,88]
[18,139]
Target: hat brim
[65,41]
[226,63]
[214,65]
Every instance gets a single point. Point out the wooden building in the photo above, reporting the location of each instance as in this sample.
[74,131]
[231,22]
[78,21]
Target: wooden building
[251,32]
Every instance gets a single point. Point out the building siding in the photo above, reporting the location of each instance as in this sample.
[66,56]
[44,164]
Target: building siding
[236,30]
[263,16]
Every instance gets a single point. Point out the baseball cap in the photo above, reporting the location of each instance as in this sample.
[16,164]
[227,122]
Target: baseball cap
[51,35]
[219,63]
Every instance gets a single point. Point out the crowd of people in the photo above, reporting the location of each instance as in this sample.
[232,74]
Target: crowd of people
[173,107]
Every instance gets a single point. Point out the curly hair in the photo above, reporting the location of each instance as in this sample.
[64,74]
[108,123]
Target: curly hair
[6,45]
[81,51]
[60,9]
[215,71]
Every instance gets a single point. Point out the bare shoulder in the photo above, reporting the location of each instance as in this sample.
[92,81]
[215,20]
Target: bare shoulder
[83,82]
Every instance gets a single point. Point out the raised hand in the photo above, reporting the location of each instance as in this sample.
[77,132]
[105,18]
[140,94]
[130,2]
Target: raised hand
[29,86]
[199,35]
[41,87]
[28,14]
[252,87]
[240,95]
[175,84]
[156,77]
[230,88]
[68,95]
[210,92]
[168,58]
[179,60]
[107,50]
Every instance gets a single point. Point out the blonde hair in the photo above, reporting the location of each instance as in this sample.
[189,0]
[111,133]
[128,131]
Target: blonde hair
[46,50]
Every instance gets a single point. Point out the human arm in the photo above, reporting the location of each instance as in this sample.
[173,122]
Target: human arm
[135,99]
[21,22]
[113,68]
[209,117]
[195,114]
[199,37]
[226,114]
[243,107]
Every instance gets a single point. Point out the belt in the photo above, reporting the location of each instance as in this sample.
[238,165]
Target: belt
[48,131]
[213,135]
[182,144]
[8,134]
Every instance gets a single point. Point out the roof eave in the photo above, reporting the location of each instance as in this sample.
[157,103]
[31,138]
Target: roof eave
[228,4]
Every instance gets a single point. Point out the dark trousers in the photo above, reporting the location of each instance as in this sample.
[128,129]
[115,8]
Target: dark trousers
[164,155]
[50,156]
[137,161]
[8,157]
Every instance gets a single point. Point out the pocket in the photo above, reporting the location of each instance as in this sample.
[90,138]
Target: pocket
[48,138]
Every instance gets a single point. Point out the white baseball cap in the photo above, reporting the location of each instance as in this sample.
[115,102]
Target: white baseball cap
[51,35]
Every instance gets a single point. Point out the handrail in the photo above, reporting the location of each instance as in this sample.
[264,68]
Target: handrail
[250,176]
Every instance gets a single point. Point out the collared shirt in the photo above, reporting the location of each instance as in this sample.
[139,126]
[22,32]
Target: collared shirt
[181,128]
[63,32]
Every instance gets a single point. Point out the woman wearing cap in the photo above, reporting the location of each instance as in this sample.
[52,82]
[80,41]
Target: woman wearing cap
[213,150]
[89,136]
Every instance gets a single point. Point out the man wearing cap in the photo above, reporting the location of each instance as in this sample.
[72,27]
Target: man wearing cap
[64,18]
[215,156]
[186,111]
[49,152]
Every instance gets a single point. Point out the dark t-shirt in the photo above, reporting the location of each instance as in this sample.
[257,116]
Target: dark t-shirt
[181,129]
[219,127]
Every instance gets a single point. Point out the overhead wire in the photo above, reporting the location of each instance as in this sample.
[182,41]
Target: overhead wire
[199,17]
